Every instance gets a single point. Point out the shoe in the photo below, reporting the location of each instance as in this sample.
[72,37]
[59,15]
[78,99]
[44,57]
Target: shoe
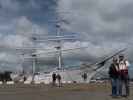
[114,96]
[125,96]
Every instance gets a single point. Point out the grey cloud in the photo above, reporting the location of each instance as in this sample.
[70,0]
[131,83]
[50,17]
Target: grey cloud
[107,19]
[104,25]
[37,11]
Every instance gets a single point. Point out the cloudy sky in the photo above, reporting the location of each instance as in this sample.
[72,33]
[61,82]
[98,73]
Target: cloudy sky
[103,25]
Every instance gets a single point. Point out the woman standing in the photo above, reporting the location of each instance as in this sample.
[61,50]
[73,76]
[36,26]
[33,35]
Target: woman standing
[114,76]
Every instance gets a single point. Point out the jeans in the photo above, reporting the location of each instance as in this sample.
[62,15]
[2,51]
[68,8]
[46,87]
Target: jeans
[124,83]
[114,83]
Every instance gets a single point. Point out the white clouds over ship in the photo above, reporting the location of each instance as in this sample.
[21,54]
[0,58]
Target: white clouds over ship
[102,25]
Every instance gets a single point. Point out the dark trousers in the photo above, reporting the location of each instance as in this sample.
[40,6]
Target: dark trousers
[54,82]
[59,83]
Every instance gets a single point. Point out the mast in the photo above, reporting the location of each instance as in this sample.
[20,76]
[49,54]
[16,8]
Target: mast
[34,58]
[59,48]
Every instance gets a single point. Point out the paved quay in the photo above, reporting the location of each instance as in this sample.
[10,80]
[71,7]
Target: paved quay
[99,91]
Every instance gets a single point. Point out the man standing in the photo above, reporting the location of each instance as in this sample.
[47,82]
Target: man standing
[124,77]
[114,75]
[59,79]
[84,76]
[53,79]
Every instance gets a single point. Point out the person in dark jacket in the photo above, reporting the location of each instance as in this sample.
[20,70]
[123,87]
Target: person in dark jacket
[84,76]
[59,80]
[114,76]
[54,79]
